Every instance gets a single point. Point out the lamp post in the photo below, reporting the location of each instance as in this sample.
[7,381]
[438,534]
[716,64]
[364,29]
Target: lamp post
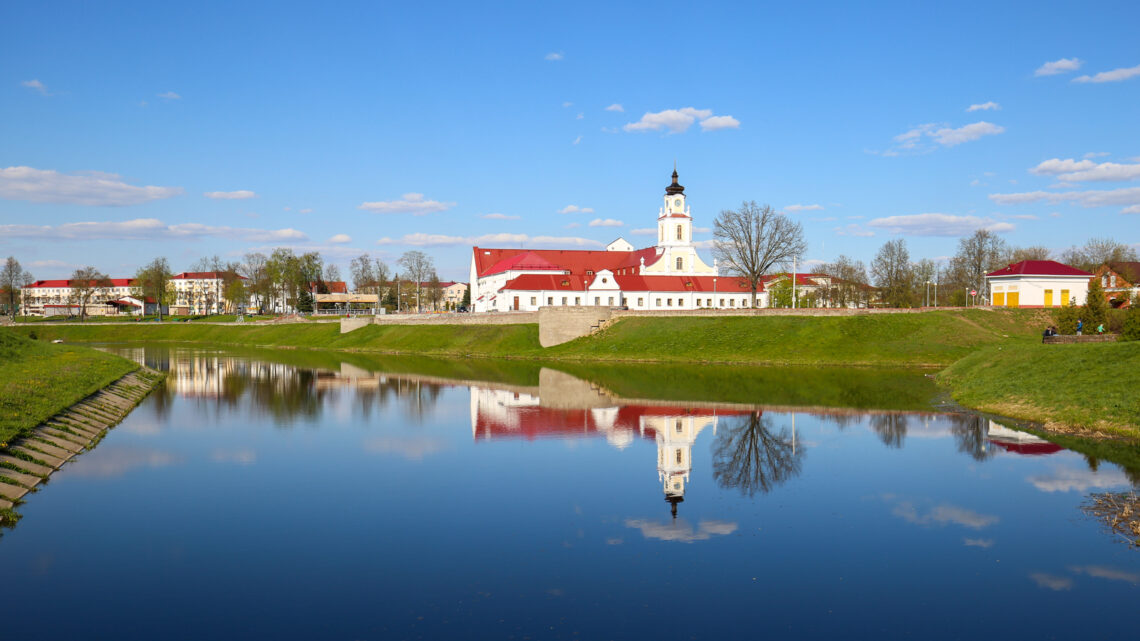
[714,292]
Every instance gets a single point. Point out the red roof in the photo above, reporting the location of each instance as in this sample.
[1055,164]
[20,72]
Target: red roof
[576,261]
[334,286]
[115,282]
[1039,268]
[547,282]
[205,275]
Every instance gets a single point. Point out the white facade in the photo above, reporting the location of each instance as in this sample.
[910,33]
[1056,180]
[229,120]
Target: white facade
[1028,284]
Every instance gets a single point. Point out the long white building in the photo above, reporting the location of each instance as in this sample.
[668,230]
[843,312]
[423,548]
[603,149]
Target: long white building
[668,276]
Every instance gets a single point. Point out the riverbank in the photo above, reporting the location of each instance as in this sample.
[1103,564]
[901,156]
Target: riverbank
[931,339]
[1068,389]
[38,380]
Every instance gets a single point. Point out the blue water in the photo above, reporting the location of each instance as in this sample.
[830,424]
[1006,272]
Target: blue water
[257,500]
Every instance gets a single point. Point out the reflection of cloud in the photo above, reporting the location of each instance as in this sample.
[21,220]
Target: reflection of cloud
[141,427]
[680,530]
[614,541]
[413,448]
[1067,479]
[978,543]
[114,461]
[943,514]
[240,457]
[1056,583]
[1102,572]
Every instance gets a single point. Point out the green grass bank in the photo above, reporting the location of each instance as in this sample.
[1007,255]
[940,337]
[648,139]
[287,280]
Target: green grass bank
[38,379]
[933,339]
[1085,386]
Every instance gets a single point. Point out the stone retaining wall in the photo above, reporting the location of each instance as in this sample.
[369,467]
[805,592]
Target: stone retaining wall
[1066,339]
[557,325]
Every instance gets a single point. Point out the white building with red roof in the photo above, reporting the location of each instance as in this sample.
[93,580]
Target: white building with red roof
[670,275]
[1038,283]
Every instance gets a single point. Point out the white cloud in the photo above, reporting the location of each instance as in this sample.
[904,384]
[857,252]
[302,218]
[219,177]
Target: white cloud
[985,106]
[795,208]
[577,140]
[238,456]
[1116,75]
[1134,209]
[1063,65]
[606,222]
[702,230]
[704,244]
[719,122]
[1067,479]
[443,240]
[567,104]
[1098,154]
[944,514]
[146,229]
[169,95]
[571,225]
[52,262]
[950,137]
[679,120]
[1086,170]
[412,448]
[1092,198]
[499,217]
[978,543]
[575,209]
[616,107]
[580,116]
[555,55]
[854,230]
[1055,583]
[937,225]
[81,188]
[680,530]
[411,203]
[643,231]
[35,85]
[1103,572]
[305,211]
[241,194]
[340,238]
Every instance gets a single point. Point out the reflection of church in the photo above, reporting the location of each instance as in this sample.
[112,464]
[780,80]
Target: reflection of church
[500,413]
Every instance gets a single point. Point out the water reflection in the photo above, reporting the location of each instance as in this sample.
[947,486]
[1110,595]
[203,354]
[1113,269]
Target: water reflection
[752,456]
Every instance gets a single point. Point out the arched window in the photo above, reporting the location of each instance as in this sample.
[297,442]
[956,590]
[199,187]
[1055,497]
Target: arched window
[661,233]
[679,233]
[680,263]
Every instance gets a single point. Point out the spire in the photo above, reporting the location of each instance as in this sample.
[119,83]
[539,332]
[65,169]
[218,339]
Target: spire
[675,188]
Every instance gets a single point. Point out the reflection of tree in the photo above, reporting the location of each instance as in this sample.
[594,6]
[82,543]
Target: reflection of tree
[753,458]
[969,432]
[891,428]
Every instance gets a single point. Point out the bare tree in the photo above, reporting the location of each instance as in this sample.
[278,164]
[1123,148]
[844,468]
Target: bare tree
[417,268]
[848,282]
[893,274]
[753,239]
[434,291]
[752,457]
[332,273]
[11,276]
[1035,252]
[369,276]
[1097,252]
[87,284]
[254,269]
[153,280]
[978,255]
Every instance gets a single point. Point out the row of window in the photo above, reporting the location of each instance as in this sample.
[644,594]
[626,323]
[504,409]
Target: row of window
[668,302]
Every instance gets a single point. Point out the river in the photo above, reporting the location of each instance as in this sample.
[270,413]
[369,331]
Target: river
[304,495]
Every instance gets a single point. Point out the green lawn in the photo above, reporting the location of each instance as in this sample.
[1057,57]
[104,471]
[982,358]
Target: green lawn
[932,339]
[1084,385]
[38,379]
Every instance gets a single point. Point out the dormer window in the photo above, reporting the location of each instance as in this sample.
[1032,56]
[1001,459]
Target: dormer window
[589,272]
[565,283]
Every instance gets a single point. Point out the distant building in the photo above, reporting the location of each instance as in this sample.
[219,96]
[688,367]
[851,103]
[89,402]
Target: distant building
[1038,283]
[1120,282]
[57,297]
[201,292]
[670,275]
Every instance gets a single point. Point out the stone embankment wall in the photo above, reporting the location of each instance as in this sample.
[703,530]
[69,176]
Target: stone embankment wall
[32,459]
[496,318]
[1094,338]
[557,325]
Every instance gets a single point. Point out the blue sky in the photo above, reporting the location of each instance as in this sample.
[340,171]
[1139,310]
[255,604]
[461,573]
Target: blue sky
[129,131]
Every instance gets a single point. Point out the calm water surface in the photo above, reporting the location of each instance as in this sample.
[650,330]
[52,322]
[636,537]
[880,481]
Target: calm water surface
[255,498]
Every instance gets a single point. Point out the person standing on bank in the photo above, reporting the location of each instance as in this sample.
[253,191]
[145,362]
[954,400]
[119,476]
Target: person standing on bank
[1080,326]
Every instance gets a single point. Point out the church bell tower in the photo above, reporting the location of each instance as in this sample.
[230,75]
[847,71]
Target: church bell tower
[674,223]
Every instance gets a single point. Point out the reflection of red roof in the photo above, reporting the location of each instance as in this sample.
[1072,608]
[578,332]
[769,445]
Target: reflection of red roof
[532,422]
[1028,449]
[576,261]
[1039,268]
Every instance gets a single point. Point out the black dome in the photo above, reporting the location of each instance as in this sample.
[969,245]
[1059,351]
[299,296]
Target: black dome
[675,188]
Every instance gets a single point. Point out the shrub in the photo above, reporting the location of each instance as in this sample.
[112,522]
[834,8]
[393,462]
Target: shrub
[1130,331]
[1096,306]
[1066,319]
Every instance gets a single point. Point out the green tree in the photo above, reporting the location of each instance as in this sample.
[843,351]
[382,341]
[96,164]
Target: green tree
[780,294]
[467,297]
[12,277]
[1131,329]
[1096,307]
[153,281]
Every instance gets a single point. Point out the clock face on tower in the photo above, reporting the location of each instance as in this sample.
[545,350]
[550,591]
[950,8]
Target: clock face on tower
[677,203]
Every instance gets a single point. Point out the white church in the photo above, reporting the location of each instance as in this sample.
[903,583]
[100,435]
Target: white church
[668,276]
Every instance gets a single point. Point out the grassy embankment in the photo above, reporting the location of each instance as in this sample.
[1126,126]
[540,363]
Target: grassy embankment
[38,380]
[1090,386]
[935,339]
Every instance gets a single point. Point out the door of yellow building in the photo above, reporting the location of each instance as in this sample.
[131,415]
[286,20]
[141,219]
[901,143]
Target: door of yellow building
[1011,299]
[1064,298]
[999,299]
[1048,298]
